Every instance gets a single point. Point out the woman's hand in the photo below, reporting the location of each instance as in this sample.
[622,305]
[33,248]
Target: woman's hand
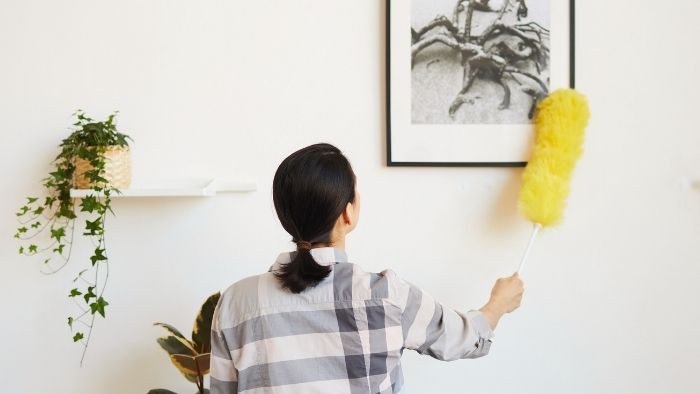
[506,296]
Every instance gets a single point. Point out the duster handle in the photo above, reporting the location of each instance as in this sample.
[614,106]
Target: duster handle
[536,229]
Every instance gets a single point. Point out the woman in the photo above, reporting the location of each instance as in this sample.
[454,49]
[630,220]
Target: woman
[316,323]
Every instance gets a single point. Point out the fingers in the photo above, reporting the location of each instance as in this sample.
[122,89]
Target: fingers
[516,277]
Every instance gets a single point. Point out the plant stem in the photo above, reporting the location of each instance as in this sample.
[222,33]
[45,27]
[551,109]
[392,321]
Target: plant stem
[200,378]
[101,242]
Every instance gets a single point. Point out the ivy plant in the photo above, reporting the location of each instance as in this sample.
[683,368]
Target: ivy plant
[191,356]
[47,225]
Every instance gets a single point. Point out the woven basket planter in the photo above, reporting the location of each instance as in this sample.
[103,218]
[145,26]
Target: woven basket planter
[117,169]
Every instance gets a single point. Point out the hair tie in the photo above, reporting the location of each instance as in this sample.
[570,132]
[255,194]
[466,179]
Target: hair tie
[304,245]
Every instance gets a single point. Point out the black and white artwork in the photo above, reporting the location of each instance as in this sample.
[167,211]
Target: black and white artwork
[464,77]
[478,61]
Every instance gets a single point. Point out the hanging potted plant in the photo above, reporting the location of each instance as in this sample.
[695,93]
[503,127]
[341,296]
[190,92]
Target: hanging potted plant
[94,156]
[191,357]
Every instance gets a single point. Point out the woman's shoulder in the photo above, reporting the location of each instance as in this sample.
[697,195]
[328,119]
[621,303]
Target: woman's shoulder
[387,275]
[242,297]
[383,284]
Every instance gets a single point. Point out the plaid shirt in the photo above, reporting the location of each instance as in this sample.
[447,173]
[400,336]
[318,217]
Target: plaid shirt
[345,335]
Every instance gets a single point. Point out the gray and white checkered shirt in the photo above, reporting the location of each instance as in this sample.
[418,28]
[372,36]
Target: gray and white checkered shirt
[345,335]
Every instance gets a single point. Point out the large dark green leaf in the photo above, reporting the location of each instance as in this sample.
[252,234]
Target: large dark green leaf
[171,329]
[175,345]
[180,346]
[201,332]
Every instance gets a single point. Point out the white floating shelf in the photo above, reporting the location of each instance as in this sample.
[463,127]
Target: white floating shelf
[175,188]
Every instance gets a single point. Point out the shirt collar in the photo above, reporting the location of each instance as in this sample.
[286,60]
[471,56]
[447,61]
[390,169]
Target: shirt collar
[323,256]
[329,255]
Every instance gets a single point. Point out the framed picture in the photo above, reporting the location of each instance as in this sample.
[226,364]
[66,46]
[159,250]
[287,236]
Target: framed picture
[462,88]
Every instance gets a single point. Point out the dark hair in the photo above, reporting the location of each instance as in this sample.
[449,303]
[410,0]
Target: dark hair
[310,190]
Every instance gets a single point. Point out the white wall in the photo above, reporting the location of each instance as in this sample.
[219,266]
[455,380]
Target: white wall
[228,88]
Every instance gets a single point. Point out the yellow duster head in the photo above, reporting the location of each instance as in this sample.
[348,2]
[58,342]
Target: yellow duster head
[560,125]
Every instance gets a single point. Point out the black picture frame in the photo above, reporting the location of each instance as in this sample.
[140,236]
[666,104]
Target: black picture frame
[391,163]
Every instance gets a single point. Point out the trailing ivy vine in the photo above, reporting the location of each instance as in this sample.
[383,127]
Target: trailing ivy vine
[51,220]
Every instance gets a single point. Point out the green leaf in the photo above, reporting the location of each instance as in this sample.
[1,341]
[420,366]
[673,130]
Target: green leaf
[95,176]
[89,294]
[66,212]
[74,293]
[87,154]
[58,233]
[93,227]
[36,225]
[99,306]
[59,174]
[98,256]
[90,204]
[175,345]
[48,202]
[78,336]
[59,249]
[70,322]
[201,332]
[171,329]
[22,211]
[38,211]
[31,200]
[22,230]
[33,248]
[21,250]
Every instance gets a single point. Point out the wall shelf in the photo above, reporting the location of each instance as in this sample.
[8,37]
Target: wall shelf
[176,188]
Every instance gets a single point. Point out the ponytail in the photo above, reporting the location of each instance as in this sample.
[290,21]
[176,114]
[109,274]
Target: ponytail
[302,272]
[310,190]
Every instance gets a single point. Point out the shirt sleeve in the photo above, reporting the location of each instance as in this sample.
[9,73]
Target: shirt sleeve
[436,330]
[223,373]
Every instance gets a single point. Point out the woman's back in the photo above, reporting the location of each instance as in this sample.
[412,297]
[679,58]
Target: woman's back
[344,335]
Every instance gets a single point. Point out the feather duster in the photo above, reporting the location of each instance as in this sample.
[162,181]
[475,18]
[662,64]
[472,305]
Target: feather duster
[560,125]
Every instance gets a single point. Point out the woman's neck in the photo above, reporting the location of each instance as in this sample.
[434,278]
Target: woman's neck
[338,243]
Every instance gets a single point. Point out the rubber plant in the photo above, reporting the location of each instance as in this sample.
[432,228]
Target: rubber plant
[191,357]
[47,226]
